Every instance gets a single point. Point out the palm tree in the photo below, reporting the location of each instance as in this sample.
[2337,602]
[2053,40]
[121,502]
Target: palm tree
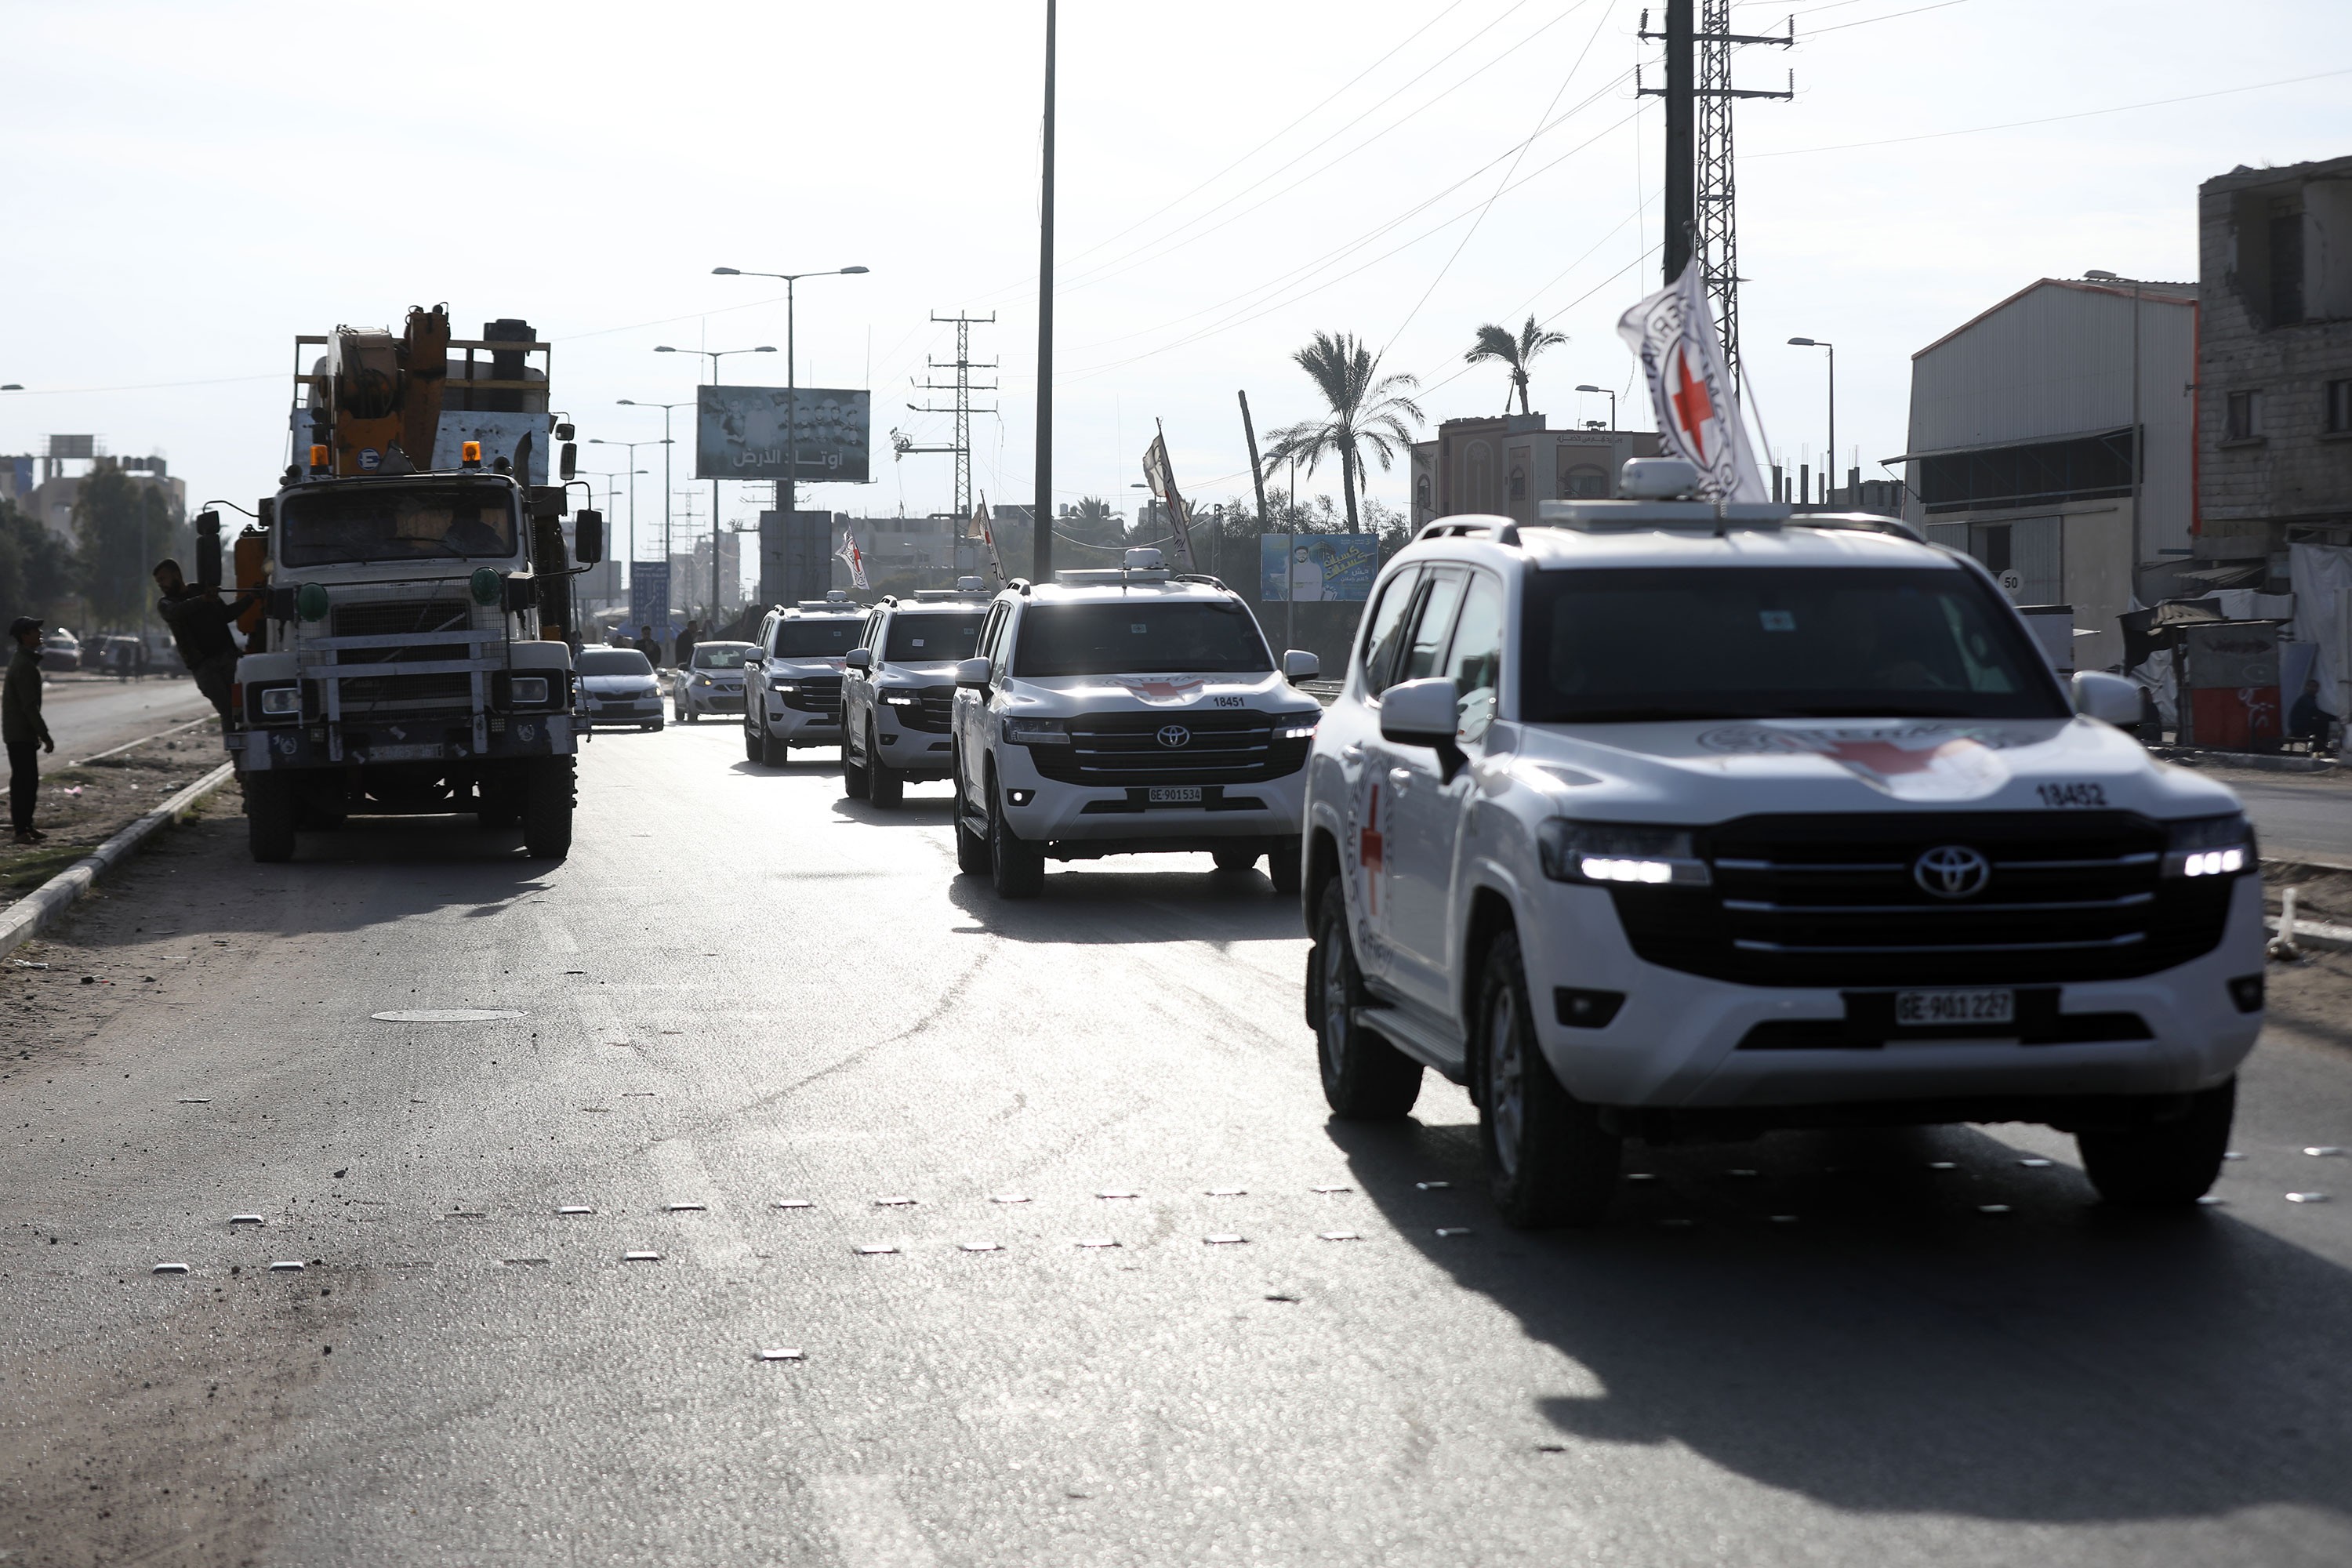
[1367,410]
[1497,343]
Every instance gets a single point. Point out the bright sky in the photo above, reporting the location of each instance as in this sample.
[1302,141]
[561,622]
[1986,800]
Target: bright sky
[190,187]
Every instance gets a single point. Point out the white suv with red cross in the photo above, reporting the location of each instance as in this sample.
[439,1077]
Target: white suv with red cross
[1128,711]
[1671,821]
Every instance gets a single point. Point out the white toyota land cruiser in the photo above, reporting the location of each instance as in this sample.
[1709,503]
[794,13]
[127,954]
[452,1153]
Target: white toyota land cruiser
[897,691]
[791,678]
[1668,821]
[1124,711]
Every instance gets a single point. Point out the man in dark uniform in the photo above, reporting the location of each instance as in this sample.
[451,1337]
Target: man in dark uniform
[686,639]
[22,729]
[646,646]
[200,624]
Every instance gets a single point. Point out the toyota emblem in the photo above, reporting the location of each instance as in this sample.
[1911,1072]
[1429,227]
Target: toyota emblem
[1174,735]
[1952,871]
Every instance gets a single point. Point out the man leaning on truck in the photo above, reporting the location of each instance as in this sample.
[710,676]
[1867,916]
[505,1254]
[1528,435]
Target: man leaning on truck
[200,624]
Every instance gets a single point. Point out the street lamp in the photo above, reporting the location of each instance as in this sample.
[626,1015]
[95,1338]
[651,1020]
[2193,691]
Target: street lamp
[2138,540]
[787,488]
[633,472]
[665,407]
[1587,386]
[612,491]
[715,355]
[1829,466]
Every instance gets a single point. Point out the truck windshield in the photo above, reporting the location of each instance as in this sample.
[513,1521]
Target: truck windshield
[1139,637]
[827,638]
[928,639]
[1634,645]
[382,521]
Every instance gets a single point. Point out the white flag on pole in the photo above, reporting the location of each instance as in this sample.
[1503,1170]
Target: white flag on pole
[1673,334]
[987,526]
[855,558]
[1163,480]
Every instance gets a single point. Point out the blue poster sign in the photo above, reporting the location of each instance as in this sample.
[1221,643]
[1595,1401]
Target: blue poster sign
[649,597]
[1310,568]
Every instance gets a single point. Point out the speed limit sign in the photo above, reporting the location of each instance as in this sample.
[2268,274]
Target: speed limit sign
[2012,582]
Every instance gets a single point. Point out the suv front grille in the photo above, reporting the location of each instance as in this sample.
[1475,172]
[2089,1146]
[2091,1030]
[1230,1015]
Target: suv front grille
[1116,750]
[1831,901]
[933,713]
[816,694]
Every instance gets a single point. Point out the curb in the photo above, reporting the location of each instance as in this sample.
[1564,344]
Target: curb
[2260,761]
[2318,934]
[25,918]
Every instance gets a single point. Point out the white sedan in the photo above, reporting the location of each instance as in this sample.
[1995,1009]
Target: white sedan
[621,690]
[712,681]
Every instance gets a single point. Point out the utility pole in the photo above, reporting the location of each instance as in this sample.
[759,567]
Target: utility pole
[1041,548]
[963,365]
[1700,186]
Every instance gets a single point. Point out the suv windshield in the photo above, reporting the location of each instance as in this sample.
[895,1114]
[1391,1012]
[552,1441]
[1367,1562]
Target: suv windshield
[721,656]
[930,638]
[827,638]
[1140,636]
[1792,642]
[614,661]
[383,522]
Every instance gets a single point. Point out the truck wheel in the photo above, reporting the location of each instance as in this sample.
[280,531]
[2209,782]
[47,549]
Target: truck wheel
[1286,862]
[1015,865]
[886,786]
[1365,1079]
[1243,859]
[270,804]
[2166,1164]
[1547,1160]
[547,808]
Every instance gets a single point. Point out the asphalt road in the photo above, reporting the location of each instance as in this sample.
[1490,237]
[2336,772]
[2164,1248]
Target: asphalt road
[2297,813]
[741,992]
[87,716]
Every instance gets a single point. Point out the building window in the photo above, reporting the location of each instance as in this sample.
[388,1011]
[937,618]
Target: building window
[1585,482]
[2245,416]
[1421,492]
[2339,407]
[2037,473]
[1518,482]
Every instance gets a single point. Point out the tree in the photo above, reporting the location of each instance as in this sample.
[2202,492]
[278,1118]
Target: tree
[124,527]
[36,568]
[1367,410]
[1519,352]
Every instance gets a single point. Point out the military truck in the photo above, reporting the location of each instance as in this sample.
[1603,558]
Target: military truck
[411,651]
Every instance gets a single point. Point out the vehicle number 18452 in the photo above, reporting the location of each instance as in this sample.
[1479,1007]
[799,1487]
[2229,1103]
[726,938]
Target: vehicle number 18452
[2072,793]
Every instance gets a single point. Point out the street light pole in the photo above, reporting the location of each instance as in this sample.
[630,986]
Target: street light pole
[715,355]
[1609,393]
[788,487]
[1829,466]
[633,472]
[665,407]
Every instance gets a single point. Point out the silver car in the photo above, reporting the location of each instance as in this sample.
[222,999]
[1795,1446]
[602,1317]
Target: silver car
[711,682]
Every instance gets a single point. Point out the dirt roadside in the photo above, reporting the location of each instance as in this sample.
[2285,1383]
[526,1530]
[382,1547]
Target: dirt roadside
[83,805]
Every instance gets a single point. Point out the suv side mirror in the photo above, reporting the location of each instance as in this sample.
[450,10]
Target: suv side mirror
[2110,699]
[858,658]
[972,674]
[1424,713]
[588,537]
[1298,665]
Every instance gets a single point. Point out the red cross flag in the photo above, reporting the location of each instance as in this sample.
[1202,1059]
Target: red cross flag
[854,558]
[1673,334]
[985,526]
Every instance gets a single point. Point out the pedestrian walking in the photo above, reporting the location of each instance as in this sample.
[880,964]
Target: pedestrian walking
[22,729]
[686,641]
[646,646]
[200,625]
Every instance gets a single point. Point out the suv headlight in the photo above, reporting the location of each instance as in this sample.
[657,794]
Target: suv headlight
[2210,847]
[1036,733]
[902,700]
[1296,726]
[783,687]
[1608,852]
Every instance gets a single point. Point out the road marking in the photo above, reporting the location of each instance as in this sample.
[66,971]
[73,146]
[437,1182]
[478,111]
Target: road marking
[712,1238]
[869,1524]
[143,740]
[552,931]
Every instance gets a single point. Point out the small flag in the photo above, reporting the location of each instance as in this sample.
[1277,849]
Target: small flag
[855,557]
[981,521]
[1162,481]
[1673,334]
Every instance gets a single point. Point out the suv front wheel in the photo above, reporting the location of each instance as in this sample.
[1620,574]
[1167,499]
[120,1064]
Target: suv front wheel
[1547,1159]
[1365,1079]
[1016,867]
[2166,1163]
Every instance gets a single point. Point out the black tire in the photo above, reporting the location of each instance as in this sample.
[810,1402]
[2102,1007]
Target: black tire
[1548,1163]
[857,781]
[751,743]
[1286,862]
[972,849]
[2167,1164]
[1016,868]
[547,808]
[1242,858]
[886,786]
[1365,1079]
[269,807]
[774,753]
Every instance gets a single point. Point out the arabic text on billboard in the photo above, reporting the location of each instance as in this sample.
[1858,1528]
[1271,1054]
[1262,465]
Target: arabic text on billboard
[742,433]
[648,594]
[1310,568]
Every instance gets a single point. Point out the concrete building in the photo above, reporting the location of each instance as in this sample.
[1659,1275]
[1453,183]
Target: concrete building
[2019,449]
[44,487]
[1511,463]
[2273,368]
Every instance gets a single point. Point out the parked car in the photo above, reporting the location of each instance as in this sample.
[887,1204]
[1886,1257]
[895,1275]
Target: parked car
[712,681]
[898,692]
[620,690]
[1670,821]
[1128,711]
[791,686]
[61,650]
